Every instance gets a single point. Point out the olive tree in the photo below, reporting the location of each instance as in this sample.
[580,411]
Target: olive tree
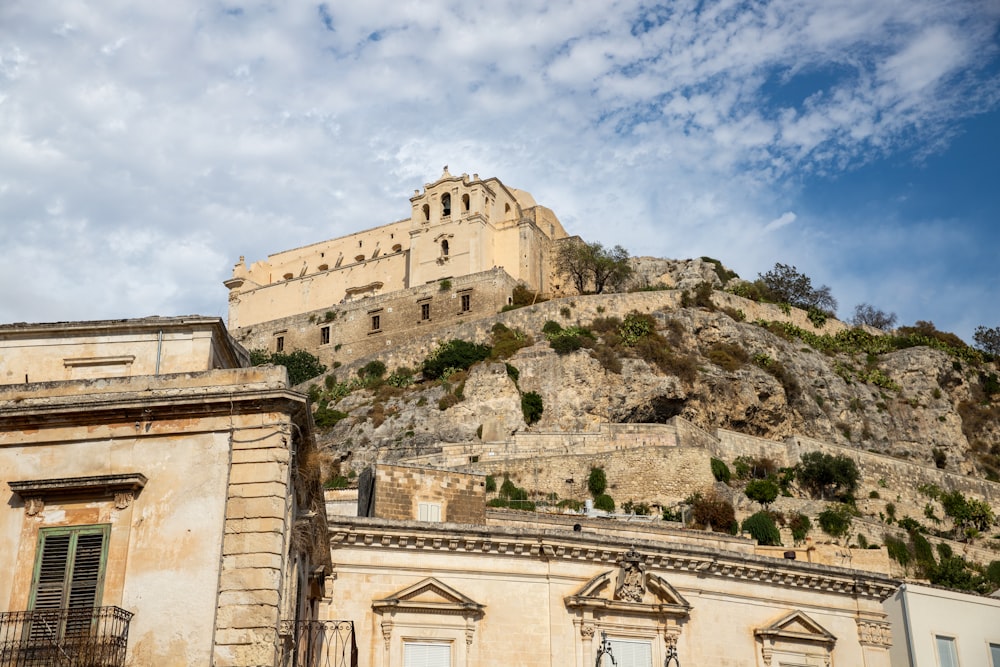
[785,284]
[591,264]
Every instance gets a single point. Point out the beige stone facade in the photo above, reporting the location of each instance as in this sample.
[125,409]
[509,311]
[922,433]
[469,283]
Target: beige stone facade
[528,590]
[178,507]
[458,226]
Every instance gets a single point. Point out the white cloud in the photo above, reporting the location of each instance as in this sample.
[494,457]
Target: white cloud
[782,220]
[178,136]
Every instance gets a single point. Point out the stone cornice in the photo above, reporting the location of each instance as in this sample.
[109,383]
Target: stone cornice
[659,555]
[155,403]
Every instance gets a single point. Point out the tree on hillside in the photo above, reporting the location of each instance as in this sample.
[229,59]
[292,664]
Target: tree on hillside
[822,473]
[592,264]
[987,339]
[301,365]
[785,284]
[867,314]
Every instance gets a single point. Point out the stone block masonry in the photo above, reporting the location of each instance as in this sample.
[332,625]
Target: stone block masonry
[641,474]
[254,545]
[399,491]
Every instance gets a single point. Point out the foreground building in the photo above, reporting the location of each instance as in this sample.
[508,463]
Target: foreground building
[937,627]
[431,577]
[162,499]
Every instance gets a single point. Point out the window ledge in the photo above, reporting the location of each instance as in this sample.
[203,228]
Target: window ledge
[61,487]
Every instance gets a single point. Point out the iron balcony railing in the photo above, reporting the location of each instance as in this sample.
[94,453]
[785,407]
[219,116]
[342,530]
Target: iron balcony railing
[318,644]
[88,637]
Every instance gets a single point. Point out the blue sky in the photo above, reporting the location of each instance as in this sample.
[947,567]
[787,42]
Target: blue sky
[144,147]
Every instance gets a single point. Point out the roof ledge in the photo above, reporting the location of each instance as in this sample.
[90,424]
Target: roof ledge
[64,487]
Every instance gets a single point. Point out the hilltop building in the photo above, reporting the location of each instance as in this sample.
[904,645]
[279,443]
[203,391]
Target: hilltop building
[162,503]
[465,246]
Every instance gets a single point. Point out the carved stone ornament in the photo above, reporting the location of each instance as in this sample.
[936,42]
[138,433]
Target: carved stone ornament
[123,499]
[387,633]
[587,631]
[33,506]
[631,585]
[874,633]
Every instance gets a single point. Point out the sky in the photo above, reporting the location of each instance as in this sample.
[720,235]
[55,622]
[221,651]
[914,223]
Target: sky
[145,147]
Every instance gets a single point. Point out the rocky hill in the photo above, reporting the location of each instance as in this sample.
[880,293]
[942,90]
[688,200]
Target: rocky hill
[572,366]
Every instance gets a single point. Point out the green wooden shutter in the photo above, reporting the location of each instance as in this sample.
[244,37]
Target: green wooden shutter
[69,567]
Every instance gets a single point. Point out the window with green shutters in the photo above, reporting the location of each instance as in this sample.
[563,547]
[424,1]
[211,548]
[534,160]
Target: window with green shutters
[69,567]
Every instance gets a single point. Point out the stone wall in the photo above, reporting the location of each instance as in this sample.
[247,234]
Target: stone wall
[398,490]
[345,332]
[898,474]
[642,474]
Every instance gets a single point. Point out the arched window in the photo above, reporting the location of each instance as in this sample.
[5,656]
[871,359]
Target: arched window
[444,247]
[506,208]
[446,204]
[465,203]
[427,212]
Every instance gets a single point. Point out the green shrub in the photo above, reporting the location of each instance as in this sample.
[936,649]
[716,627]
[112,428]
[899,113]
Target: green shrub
[720,471]
[762,528]
[301,365]
[898,550]
[551,328]
[455,354]
[597,481]
[508,341]
[800,526]
[823,474]
[372,370]
[835,521]
[531,407]
[713,511]
[325,417]
[763,491]
[727,356]
[638,509]
[444,285]
[491,484]
[604,502]
[512,372]
[607,357]
[635,327]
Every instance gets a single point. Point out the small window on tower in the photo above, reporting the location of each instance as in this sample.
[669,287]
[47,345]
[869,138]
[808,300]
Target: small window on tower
[427,212]
[376,322]
[279,344]
[465,203]
[466,303]
[425,311]
[446,204]
[444,248]
[324,336]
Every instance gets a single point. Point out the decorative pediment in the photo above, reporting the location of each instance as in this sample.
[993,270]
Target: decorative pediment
[429,596]
[797,627]
[658,596]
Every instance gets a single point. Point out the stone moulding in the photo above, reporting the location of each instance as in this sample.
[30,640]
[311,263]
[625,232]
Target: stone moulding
[680,558]
[35,493]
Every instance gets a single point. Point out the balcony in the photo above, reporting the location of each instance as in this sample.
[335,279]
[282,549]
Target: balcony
[90,637]
[318,644]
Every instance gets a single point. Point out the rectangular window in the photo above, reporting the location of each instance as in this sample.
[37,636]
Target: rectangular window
[426,654]
[995,655]
[376,322]
[425,311]
[324,336]
[631,652]
[466,303]
[69,574]
[947,654]
[279,344]
[429,512]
